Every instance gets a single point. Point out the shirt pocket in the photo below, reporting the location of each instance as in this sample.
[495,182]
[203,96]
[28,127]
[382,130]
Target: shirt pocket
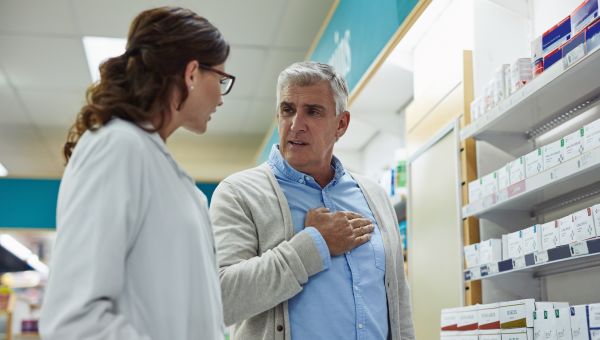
[378,250]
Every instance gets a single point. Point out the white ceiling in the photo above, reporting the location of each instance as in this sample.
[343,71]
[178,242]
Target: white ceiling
[44,74]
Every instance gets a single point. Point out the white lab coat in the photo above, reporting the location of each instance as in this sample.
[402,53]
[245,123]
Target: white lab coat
[134,256]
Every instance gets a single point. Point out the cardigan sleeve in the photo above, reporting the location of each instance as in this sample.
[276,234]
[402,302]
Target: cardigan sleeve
[251,282]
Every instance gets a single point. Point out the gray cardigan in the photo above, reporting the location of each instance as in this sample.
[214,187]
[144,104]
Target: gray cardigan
[262,264]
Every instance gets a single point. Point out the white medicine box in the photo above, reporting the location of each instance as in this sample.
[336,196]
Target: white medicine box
[475,193]
[553,154]
[472,255]
[532,239]
[517,170]
[490,251]
[583,225]
[534,163]
[550,235]
[591,136]
[567,232]
[572,145]
[503,177]
[489,184]
[515,244]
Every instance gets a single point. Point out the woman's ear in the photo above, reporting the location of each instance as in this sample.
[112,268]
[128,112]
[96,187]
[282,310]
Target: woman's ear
[190,74]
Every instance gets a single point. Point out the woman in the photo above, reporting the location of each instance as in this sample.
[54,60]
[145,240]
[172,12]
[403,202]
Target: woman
[134,256]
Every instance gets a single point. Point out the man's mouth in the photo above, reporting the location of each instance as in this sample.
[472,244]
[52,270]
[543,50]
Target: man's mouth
[297,143]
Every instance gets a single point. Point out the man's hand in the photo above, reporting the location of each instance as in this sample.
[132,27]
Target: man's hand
[342,230]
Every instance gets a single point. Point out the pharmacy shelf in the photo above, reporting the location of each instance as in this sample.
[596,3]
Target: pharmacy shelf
[548,100]
[579,173]
[567,258]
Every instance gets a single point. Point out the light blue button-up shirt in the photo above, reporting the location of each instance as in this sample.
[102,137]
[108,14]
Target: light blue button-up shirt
[347,300]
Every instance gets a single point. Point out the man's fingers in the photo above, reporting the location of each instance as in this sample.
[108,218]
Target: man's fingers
[360,222]
[367,229]
[362,240]
[351,215]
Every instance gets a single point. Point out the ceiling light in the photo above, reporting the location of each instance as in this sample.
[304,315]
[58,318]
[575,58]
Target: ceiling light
[3,171]
[98,49]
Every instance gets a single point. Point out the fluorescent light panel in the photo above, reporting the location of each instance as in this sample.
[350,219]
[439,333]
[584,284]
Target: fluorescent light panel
[99,49]
[3,171]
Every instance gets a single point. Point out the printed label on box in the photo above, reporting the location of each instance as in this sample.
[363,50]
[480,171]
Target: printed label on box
[583,224]
[591,135]
[531,239]
[534,163]
[574,50]
[592,37]
[552,154]
[550,235]
[579,325]
[573,145]
[583,15]
[567,234]
[556,36]
[517,169]
[515,244]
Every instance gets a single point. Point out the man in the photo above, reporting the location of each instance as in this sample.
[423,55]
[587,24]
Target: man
[307,250]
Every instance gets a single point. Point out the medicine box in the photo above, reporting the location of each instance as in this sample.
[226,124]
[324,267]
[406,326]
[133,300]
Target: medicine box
[573,49]
[591,136]
[552,57]
[489,184]
[583,15]
[572,145]
[579,322]
[532,239]
[517,334]
[472,255]
[475,193]
[503,177]
[517,314]
[567,232]
[534,163]
[596,217]
[515,244]
[550,235]
[556,36]
[563,323]
[552,154]
[583,225]
[592,36]
[489,318]
[449,319]
[517,170]
[490,251]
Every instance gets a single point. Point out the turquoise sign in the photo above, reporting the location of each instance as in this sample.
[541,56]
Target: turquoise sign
[357,33]
[31,203]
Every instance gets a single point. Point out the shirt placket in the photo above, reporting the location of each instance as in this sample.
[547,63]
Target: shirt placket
[355,277]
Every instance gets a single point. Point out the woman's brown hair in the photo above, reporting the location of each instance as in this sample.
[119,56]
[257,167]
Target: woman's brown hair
[160,43]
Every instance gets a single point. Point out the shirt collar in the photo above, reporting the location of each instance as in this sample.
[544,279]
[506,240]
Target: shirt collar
[280,166]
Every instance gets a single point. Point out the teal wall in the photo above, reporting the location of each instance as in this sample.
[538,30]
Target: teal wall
[31,203]
[356,34]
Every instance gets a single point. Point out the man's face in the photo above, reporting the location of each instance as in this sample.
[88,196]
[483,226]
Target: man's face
[308,127]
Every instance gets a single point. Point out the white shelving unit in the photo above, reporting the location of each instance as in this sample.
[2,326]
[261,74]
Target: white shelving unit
[555,103]
[547,101]
[571,177]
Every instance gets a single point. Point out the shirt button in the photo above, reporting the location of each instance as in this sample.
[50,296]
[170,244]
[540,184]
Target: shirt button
[279,328]
[355,287]
[347,253]
[360,325]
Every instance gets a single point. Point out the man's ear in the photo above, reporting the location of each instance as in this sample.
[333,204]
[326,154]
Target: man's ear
[343,122]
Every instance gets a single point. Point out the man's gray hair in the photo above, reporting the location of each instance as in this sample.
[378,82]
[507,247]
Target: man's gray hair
[307,73]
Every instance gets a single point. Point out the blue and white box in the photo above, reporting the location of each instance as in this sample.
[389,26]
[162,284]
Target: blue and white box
[532,239]
[556,36]
[594,321]
[550,235]
[592,36]
[579,322]
[583,225]
[515,244]
[574,50]
[583,15]
[566,230]
[552,58]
